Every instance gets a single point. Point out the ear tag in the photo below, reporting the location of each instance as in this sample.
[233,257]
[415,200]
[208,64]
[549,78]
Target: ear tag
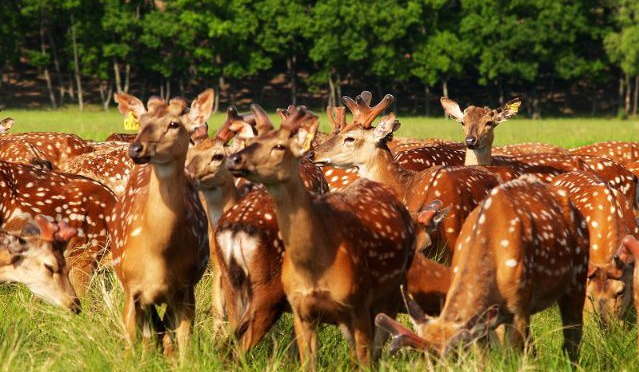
[131,122]
[514,107]
[307,141]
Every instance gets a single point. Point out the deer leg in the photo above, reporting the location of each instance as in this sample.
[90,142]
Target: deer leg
[571,309]
[347,332]
[183,314]
[519,331]
[260,322]
[80,275]
[363,337]
[130,317]
[306,337]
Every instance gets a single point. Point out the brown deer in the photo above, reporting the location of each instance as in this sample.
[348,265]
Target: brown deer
[609,217]
[344,260]
[121,137]
[53,147]
[35,258]
[159,229]
[516,149]
[363,146]
[626,259]
[522,250]
[620,152]
[6,124]
[83,204]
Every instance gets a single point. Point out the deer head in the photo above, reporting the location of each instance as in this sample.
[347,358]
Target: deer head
[274,155]
[354,144]
[6,125]
[35,258]
[606,293]
[479,122]
[436,335]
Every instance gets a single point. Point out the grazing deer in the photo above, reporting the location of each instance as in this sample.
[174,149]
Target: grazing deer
[6,124]
[83,204]
[620,152]
[609,217]
[363,146]
[159,229]
[522,250]
[35,258]
[344,260]
[55,148]
[626,259]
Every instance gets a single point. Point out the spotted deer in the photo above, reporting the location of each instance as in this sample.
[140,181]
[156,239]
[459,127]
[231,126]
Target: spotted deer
[609,217]
[363,146]
[522,250]
[344,260]
[626,259]
[159,228]
[6,124]
[529,148]
[121,137]
[55,148]
[83,204]
[35,258]
[620,152]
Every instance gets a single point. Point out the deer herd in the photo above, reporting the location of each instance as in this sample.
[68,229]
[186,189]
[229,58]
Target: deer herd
[348,228]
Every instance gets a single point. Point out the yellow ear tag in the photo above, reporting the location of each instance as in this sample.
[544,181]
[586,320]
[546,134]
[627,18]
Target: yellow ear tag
[131,122]
[514,107]
[307,141]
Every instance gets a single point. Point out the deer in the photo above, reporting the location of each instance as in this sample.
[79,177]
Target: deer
[6,124]
[625,259]
[159,228]
[83,204]
[621,152]
[121,137]
[55,148]
[609,217]
[523,249]
[35,258]
[343,260]
[361,145]
[529,148]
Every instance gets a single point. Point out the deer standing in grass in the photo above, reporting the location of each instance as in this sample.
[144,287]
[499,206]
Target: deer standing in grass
[522,250]
[609,217]
[361,145]
[159,229]
[344,260]
[35,257]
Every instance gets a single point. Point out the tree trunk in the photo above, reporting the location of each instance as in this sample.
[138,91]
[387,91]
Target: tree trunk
[127,77]
[635,97]
[427,97]
[444,87]
[500,88]
[56,65]
[331,91]
[290,65]
[116,74]
[47,77]
[106,92]
[78,79]
[626,107]
[620,99]
[338,90]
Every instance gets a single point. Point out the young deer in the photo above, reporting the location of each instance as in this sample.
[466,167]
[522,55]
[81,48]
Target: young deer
[159,229]
[344,260]
[522,250]
[363,146]
[609,217]
[35,258]
[84,204]
[620,152]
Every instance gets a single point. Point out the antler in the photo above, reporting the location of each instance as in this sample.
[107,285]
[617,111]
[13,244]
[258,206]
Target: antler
[337,117]
[284,113]
[401,336]
[297,118]
[363,113]
[262,121]
[226,132]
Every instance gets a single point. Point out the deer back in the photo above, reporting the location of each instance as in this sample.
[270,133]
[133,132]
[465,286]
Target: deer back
[54,147]
[620,152]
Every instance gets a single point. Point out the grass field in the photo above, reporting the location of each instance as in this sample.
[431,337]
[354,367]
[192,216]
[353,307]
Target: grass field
[35,336]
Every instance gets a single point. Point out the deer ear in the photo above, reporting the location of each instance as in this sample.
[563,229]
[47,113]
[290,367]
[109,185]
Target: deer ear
[47,228]
[6,124]
[202,107]
[432,214]
[631,246]
[302,141]
[387,126]
[452,109]
[65,232]
[507,111]
[242,130]
[128,103]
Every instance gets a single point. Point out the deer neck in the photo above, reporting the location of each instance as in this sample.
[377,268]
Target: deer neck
[165,199]
[300,224]
[482,156]
[384,169]
[220,199]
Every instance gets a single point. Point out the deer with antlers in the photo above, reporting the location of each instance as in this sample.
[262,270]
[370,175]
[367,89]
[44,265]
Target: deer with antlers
[343,261]
[159,229]
[35,258]
[522,250]
[609,217]
[361,145]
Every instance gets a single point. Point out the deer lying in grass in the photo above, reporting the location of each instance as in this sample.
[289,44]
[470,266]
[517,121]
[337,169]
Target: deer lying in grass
[345,257]
[609,217]
[159,229]
[620,152]
[55,148]
[363,146]
[517,149]
[522,250]
[35,257]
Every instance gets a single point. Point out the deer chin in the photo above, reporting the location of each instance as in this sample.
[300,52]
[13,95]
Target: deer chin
[237,172]
[141,160]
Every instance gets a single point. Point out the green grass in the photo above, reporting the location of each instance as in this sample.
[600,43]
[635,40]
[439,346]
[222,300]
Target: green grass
[36,336]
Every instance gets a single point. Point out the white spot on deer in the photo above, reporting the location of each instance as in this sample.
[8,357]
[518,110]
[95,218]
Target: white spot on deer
[136,232]
[268,216]
[510,262]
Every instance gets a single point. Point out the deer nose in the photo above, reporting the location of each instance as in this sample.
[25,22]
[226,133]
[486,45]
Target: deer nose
[234,161]
[310,155]
[471,142]
[75,306]
[135,149]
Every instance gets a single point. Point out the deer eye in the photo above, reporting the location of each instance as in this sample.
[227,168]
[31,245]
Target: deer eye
[174,125]
[217,157]
[279,147]
[49,268]
[490,123]
[349,140]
